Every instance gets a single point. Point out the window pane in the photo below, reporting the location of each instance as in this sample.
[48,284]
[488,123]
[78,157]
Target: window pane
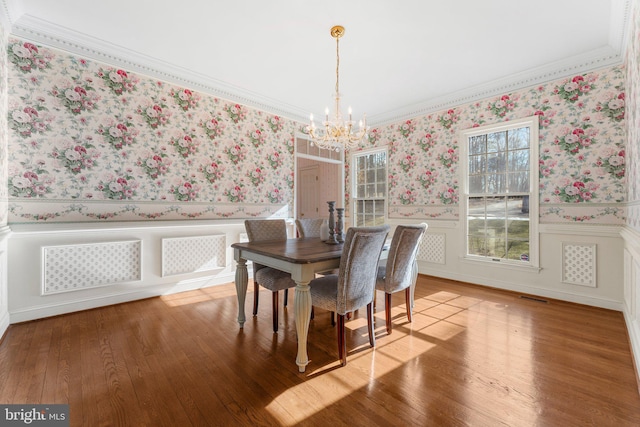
[476,245]
[519,160]
[476,206]
[371,175]
[370,191]
[496,162]
[518,208]
[360,192]
[477,164]
[477,226]
[518,250]
[382,189]
[496,237]
[519,182]
[477,144]
[496,142]
[495,207]
[477,184]
[497,183]
[518,138]
[301,145]
[314,150]
[368,207]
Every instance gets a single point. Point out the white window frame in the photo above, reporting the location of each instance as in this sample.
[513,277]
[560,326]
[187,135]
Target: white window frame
[534,237]
[354,183]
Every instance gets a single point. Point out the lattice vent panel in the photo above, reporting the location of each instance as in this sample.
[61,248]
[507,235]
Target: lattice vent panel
[432,248]
[193,254]
[579,264]
[74,267]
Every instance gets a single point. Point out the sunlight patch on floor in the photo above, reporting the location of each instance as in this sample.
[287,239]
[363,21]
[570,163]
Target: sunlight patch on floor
[436,319]
[199,295]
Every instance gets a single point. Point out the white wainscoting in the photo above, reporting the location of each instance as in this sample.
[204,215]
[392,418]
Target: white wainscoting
[632,289]
[4,290]
[74,267]
[432,248]
[47,261]
[579,263]
[181,255]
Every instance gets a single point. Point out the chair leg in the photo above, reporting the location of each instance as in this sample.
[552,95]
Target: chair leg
[342,345]
[275,311]
[372,336]
[286,297]
[256,293]
[387,311]
[408,302]
[333,319]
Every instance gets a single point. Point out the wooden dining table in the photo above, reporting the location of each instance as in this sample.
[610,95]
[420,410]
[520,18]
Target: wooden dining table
[302,258]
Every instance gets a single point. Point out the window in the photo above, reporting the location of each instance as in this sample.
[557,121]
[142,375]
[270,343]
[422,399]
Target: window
[500,192]
[369,187]
[305,148]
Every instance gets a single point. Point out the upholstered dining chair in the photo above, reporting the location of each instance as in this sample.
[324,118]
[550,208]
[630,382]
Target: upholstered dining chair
[309,227]
[260,230]
[354,286]
[401,270]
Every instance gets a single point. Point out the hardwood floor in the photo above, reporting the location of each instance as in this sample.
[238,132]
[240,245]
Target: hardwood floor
[472,356]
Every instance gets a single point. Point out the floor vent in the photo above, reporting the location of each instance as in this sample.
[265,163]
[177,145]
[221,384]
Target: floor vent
[534,299]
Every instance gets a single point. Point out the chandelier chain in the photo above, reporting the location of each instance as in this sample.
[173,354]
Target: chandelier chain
[337,65]
[337,134]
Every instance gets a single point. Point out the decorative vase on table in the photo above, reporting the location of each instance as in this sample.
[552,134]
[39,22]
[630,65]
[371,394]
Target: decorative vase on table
[324,230]
[332,225]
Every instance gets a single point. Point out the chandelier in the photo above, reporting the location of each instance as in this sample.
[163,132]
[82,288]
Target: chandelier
[337,134]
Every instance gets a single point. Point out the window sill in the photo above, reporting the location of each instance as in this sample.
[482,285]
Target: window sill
[501,264]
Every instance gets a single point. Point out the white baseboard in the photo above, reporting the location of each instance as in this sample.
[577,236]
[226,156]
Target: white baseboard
[633,331]
[48,310]
[530,290]
[4,324]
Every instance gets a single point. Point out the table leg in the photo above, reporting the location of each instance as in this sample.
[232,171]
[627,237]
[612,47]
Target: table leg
[302,310]
[242,279]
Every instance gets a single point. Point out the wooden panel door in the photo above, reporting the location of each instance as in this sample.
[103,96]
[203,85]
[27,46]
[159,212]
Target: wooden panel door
[308,192]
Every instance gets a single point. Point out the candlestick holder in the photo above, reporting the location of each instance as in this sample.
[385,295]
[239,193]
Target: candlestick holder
[340,225]
[332,225]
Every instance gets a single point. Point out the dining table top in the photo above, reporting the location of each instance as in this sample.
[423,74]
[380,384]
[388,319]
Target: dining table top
[298,251]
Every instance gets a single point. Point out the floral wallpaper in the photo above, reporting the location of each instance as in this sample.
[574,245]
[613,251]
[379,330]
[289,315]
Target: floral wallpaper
[3,126]
[91,142]
[582,150]
[633,119]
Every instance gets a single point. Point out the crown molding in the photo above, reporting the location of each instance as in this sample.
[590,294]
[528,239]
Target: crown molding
[49,34]
[46,33]
[601,58]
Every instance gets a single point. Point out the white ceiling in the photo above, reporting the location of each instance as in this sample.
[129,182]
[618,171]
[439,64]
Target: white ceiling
[398,59]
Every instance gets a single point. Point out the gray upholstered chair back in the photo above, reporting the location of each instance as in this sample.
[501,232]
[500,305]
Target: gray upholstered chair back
[262,230]
[309,227]
[401,265]
[358,267]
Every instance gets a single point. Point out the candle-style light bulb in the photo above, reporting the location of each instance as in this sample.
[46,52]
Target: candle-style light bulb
[350,113]
[326,113]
